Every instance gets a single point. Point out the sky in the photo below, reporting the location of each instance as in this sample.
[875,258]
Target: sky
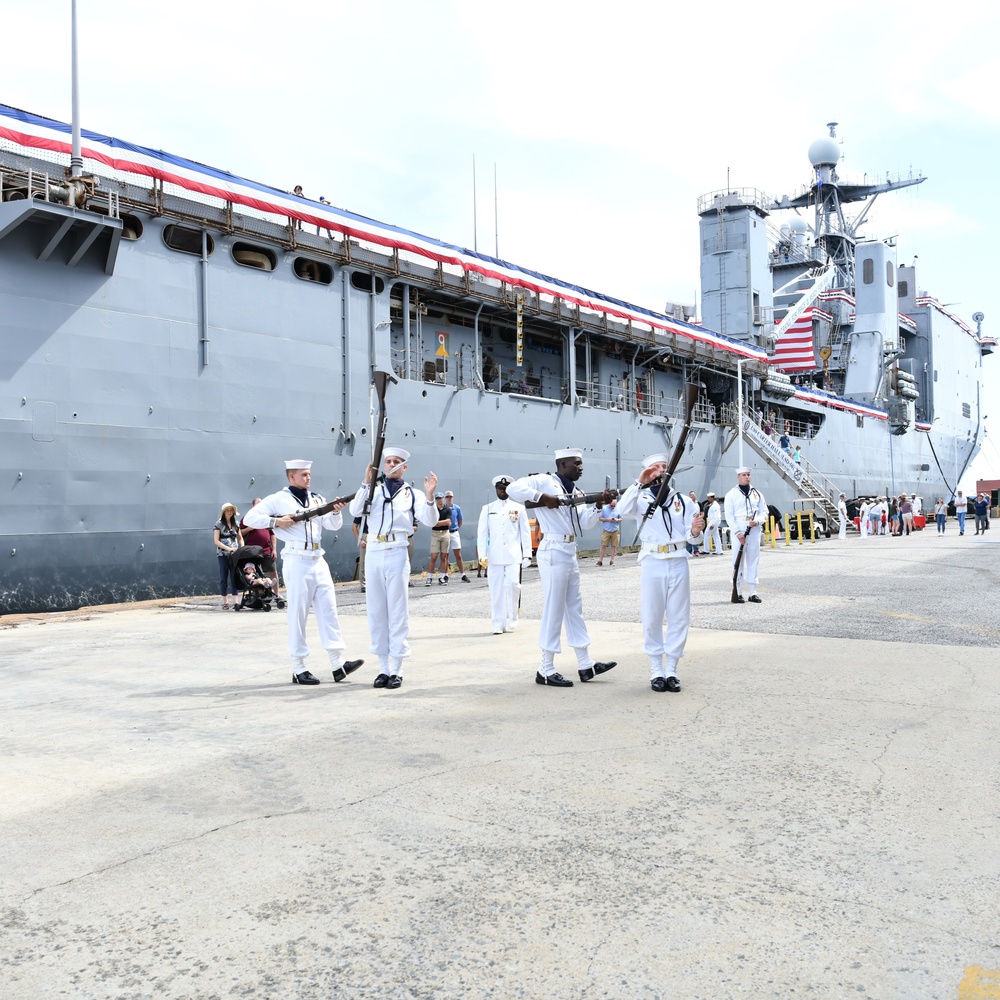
[603,123]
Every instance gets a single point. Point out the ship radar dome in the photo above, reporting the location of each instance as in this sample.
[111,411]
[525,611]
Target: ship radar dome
[797,224]
[824,152]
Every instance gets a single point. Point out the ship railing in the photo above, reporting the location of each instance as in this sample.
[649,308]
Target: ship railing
[40,185]
[801,430]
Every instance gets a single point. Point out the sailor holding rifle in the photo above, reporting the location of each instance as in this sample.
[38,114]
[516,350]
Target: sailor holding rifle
[504,545]
[663,557]
[746,514]
[563,517]
[395,507]
[307,576]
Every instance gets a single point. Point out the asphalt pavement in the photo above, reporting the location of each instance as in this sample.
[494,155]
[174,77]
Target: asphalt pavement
[814,814]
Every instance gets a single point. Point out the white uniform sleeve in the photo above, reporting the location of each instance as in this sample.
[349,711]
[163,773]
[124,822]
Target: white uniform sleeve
[628,502]
[483,535]
[525,534]
[357,505]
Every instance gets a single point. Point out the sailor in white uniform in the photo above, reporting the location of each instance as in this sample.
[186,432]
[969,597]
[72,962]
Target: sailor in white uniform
[307,576]
[561,526]
[395,507]
[842,514]
[713,521]
[746,515]
[503,545]
[663,557]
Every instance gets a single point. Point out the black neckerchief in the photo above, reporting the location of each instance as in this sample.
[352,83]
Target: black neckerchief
[393,486]
[300,494]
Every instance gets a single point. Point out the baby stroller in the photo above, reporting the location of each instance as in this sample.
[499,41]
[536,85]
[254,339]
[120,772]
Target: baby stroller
[258,589]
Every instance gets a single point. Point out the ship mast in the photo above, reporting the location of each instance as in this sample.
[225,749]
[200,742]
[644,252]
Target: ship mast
[832,230]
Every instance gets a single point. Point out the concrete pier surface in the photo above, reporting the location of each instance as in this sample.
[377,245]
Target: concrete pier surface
[814,814]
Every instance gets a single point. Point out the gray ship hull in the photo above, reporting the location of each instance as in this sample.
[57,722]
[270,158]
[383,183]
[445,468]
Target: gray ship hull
[144,385]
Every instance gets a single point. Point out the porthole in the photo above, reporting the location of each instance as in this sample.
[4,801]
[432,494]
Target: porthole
[251,256]
[363,282]
[312,270]
[186,240]
[131,227]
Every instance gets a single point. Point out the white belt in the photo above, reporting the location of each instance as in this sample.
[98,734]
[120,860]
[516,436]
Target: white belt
[393,536]
[302,546]
[564,538]
[666,548]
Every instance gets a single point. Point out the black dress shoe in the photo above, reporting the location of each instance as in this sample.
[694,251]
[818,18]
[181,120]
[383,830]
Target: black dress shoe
[346,668]
[553,680]
[381,681]
[658,684]
[598,668]
[304,678]
[672,684]
[754,599]
[394,682]
[738,599]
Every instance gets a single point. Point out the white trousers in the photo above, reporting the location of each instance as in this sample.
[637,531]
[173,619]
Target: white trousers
[666,593]
[843,529]
[562,603]
[715,536]
[746,582]
[387,573]
[503,581]
[308,584]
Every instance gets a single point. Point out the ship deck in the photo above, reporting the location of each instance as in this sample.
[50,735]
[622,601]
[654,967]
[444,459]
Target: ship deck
[815,813]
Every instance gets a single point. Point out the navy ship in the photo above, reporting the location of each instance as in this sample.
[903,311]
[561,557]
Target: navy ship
[171,333]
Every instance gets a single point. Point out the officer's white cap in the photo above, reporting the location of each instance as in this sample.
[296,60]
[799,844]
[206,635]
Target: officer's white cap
[569,453]
[653,459]
[742,469]
[400,453]
[497,480]
[297,463]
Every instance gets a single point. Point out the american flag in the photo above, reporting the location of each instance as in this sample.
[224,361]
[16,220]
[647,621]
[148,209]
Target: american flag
[794,351]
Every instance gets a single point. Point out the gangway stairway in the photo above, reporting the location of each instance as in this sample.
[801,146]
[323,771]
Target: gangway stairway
[811,485]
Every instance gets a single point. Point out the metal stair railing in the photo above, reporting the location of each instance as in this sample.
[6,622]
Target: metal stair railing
[821,284]
[808,481]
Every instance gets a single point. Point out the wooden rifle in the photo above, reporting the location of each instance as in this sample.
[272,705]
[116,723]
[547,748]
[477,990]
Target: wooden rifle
[691,397]
[380,381]
[310,512]
[576,499]
[735,597]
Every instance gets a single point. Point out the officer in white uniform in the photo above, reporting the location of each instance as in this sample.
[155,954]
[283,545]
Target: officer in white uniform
[504,546]
[713,520]
[746,515]
[395,507]
[307,576]
[557,565]
[663,557]
[842,514]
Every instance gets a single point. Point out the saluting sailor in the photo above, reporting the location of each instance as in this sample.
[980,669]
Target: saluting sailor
[746,515]
[395,507]
[504,546]
[663,558]
[307,576]
[557,565]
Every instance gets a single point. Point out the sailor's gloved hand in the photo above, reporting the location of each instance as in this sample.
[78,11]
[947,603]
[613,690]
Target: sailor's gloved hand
[525,562]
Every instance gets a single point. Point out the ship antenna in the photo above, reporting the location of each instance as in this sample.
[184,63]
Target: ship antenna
[76,157]
[475,223]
